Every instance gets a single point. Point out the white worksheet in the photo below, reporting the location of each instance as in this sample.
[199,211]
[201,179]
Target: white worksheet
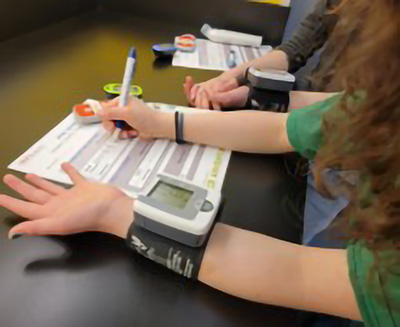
[213,56]
[127,164]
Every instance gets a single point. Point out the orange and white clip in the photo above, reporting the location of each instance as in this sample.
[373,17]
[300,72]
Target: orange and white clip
[86,113]
[186,43]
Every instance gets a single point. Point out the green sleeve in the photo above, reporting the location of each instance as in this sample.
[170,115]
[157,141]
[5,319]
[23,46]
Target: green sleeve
[377,294]
[304,126]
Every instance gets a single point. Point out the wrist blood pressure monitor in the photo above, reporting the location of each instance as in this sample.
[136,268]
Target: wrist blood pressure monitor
[270,88]
[177,209]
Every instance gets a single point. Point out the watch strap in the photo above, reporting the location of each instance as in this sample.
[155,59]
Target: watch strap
[179,121]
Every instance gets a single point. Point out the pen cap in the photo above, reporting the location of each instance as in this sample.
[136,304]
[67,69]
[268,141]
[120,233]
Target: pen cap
[132,53]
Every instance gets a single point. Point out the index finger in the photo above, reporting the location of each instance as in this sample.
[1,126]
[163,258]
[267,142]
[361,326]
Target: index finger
[111,103]
[108,125]
[75,176]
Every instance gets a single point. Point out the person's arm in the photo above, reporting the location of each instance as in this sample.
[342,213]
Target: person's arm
[245,131]
[300,99]
[242,263]
[309,37]
[266,270]
[276,59]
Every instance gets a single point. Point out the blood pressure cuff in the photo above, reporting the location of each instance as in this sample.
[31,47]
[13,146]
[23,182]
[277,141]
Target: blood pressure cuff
[178,257]
[268,100]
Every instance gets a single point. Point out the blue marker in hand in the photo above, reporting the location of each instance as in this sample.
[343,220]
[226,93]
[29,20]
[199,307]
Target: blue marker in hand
[126,86]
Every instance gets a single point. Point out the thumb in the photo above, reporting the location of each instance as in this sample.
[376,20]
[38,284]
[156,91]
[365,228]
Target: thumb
[33,228]
[189,81]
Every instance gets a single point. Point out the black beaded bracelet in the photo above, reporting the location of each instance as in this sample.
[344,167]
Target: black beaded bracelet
[179,128]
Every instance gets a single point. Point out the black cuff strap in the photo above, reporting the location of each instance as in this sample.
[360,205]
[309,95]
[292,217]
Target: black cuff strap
[242,80]
[179,128]
[271,100]
[180,258]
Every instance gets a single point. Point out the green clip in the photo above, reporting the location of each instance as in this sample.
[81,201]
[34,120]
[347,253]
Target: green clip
[114,90]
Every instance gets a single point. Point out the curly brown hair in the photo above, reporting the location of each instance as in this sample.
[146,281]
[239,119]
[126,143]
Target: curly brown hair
[363,133]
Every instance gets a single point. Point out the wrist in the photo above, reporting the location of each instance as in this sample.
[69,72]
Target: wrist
[122,217]
[237,72]
[164,125]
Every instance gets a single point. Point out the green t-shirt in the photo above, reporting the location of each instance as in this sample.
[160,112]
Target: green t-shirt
[378,295]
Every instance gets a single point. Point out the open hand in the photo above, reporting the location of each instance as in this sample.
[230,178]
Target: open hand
[54,210]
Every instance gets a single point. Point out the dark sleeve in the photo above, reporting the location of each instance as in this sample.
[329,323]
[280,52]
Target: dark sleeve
[310,36]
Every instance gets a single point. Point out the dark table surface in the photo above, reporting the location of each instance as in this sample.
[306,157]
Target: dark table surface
[93,279]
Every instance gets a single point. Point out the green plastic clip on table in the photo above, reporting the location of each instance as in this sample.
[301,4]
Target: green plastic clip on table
[114,90]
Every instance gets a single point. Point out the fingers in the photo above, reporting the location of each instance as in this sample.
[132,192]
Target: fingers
[109,126]
[39,227]
[202,100]
[215,105]
[131,134]
[189,81]
[29,192]
[45,185]
[194,93]
[114,113]
[22,208]
[73,174]
[187,87]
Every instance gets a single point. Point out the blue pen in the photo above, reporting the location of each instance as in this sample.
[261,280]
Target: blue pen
[126,84]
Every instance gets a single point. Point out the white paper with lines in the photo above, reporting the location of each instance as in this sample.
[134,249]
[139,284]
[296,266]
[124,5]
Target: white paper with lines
[213,56]
[127,164]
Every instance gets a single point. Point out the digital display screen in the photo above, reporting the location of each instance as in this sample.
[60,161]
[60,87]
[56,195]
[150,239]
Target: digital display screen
[170,194]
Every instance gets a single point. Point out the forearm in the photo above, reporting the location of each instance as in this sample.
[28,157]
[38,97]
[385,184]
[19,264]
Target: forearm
[274,60]
[245,131]
[262,269]
[299,99]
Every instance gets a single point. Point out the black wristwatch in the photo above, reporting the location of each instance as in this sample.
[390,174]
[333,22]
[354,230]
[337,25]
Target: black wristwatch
[270,88]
